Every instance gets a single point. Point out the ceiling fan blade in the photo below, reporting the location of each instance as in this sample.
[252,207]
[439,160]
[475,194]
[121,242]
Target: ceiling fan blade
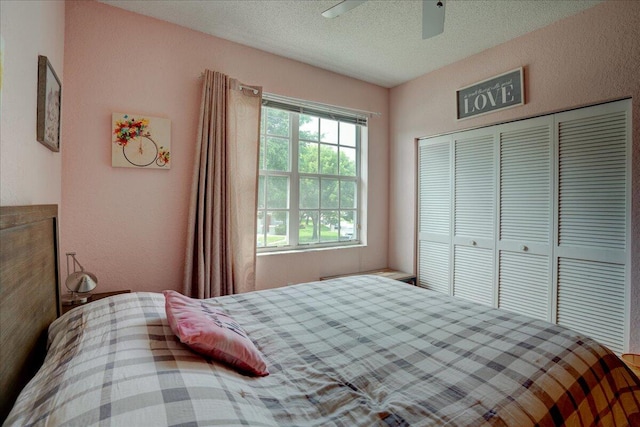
[432,18]
[342,7]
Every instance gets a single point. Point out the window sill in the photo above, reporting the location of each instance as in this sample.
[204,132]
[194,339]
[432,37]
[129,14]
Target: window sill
[302,251]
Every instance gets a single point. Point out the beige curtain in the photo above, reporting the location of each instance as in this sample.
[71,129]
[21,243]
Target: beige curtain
[221,245]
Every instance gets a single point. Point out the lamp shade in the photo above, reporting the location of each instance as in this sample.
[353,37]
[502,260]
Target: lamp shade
[81,282]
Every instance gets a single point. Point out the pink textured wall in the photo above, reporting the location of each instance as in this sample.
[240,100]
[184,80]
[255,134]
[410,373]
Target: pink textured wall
[585,59]
[30,173]
[128,225]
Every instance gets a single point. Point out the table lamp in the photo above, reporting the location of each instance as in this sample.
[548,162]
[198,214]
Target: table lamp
[79,283]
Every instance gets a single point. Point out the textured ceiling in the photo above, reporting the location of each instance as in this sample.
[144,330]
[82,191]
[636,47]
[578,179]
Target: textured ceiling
[378,41]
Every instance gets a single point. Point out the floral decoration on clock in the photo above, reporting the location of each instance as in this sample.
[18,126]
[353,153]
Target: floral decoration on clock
[140,141]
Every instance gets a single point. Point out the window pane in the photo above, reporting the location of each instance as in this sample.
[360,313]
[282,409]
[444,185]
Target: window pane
[277,192]
[277,122]
[347,194]
[308,157]
[348,225]
[261,192]
[261,230]
[277,154]
[329,193]
[329,131]
[277,226]
[329,226]
[308,127]
[347,134]
[308,229]
[320,184]
[309,193]
[328,160]
[347,161]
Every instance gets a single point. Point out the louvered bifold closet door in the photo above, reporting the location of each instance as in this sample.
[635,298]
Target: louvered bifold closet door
[525,217]
[434,214]
[474,215]
[593,211]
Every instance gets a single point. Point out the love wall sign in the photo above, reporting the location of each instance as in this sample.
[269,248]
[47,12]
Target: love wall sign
[487,96]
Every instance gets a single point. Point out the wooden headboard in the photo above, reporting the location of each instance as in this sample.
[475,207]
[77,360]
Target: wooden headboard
[29,297]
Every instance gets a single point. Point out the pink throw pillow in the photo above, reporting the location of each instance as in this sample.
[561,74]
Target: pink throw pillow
[213,333]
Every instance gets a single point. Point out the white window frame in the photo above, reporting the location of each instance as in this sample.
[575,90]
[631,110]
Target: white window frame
[295,110]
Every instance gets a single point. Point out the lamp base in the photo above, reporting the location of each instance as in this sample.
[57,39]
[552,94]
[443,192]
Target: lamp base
[75,299]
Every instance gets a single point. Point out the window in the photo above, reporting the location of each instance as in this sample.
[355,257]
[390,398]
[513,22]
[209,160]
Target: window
[309,183]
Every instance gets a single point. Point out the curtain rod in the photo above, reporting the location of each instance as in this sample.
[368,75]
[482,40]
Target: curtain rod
[312,104]
[241,86]
[254,90]
[309,104]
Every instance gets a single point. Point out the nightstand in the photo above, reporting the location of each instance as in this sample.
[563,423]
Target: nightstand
[384,272]
[93,297]
[633,362]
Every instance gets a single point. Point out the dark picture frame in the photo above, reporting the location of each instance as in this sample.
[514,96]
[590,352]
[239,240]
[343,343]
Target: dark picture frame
[493,94]
[49,105]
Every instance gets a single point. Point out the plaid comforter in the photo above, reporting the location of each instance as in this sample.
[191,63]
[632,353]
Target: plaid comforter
[357,351]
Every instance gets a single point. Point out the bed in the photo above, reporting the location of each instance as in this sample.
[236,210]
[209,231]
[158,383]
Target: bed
[356,351]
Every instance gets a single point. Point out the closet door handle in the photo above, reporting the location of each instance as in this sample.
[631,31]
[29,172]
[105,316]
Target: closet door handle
[524,248]
[472,242]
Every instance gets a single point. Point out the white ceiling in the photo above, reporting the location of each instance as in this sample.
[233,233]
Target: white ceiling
[378,41]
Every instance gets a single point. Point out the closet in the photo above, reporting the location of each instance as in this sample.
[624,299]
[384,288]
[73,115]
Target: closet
[533,217]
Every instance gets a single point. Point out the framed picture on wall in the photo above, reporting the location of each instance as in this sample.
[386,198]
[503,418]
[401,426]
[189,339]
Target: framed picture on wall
[49,97]
[496,93]
[140,141]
